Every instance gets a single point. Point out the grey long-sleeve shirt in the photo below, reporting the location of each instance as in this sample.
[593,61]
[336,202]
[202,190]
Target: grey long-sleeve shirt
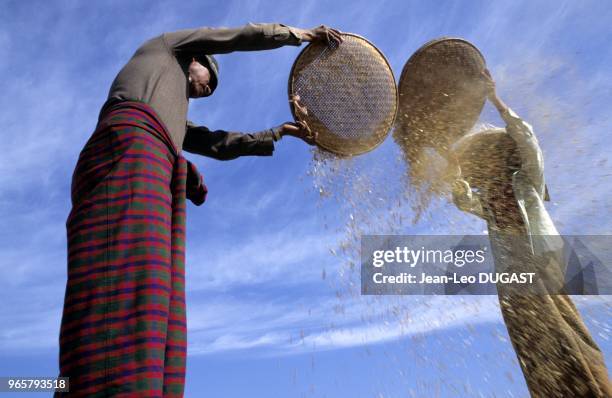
[157,75]
[224,145]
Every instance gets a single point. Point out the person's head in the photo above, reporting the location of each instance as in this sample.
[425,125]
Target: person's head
[488,159]
[202,73]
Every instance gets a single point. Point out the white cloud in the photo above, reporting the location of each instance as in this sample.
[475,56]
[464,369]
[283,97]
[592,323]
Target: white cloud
[281,329]
[327,324]
[278,258]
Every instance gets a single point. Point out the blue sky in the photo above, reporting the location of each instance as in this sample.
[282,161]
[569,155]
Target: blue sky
[273,303]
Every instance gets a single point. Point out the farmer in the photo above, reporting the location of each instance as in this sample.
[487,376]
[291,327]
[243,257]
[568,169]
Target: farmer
[123,330]
[500,179]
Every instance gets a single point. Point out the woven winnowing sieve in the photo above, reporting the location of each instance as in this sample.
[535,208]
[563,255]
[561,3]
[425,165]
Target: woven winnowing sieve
[349,91]
[441,93]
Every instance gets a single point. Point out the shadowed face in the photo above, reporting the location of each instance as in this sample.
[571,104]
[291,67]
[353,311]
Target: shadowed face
[199,80]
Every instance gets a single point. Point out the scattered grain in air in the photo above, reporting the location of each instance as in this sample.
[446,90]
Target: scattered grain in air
[382,193]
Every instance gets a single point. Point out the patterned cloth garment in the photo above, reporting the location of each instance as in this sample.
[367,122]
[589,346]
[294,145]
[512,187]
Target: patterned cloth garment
[123,330]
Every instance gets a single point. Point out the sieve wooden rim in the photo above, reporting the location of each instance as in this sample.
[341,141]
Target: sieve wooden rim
[432,43]
[395,90]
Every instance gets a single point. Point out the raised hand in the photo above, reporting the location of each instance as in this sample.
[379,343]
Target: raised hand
[324,34]
[299,109]
[299,130]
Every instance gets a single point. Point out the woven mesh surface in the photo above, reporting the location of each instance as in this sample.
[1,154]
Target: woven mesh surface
[441,94]
[350,94]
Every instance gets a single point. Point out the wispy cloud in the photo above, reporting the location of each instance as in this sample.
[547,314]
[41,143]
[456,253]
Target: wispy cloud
[274,258]
[279,329]
[327,324]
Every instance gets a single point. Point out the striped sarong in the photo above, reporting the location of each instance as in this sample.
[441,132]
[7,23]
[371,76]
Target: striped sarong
[123,331]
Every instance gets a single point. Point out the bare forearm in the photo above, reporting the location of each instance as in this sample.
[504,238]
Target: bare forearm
[492,96]
[500,105]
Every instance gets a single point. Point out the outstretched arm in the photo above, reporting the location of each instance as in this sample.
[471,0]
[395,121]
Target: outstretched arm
[532,163]
[225,145]
[250,37]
